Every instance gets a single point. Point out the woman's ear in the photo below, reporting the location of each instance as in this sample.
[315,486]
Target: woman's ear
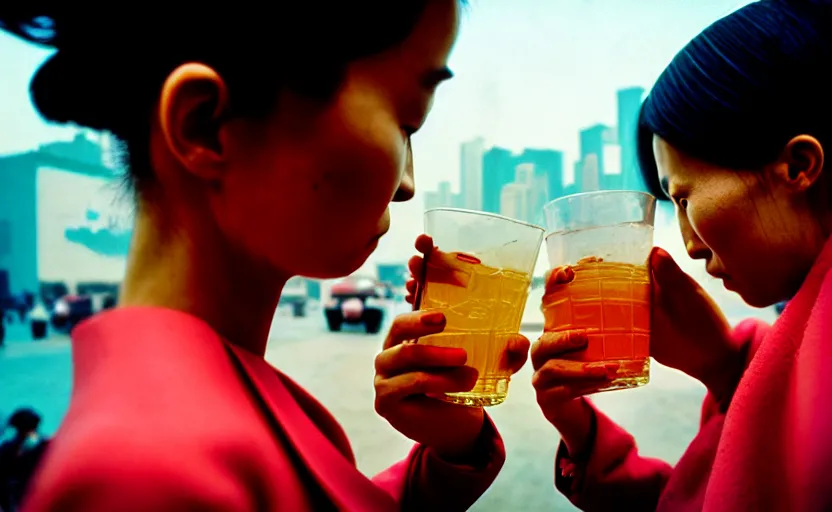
[193,101]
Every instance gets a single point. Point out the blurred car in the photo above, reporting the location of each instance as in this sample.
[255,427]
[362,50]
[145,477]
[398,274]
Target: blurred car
[357,300]
[71,309]
[295,294]
[51,291]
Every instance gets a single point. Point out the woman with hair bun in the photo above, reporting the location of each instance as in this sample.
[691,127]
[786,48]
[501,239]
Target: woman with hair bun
[261,143]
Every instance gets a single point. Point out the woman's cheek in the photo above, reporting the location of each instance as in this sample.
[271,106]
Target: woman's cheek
[709,223]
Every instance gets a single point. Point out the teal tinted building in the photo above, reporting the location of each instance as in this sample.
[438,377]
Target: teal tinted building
[62,217]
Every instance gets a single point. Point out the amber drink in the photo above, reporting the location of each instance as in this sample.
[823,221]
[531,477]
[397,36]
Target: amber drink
[605,238]
[479,275]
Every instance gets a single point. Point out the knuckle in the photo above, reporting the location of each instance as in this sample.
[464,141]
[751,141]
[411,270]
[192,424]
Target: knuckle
[567,340]
[551,370]
[409,351]
[395,328]
[421,380]
[537,381]
[399,328]
[378,363]
[378,384]
[542,378]
[537,348]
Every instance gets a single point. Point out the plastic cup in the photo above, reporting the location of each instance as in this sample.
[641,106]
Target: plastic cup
[479,276]
[606,238]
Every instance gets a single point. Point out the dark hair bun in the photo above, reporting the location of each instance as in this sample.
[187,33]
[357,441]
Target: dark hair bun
[65,92]
[65,89]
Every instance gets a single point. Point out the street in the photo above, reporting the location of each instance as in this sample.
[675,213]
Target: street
[338,369]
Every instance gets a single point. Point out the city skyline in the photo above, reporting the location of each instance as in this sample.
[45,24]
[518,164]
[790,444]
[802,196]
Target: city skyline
[518,185]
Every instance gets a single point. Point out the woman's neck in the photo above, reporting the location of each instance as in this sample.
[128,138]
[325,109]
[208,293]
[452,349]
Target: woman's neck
[193,271]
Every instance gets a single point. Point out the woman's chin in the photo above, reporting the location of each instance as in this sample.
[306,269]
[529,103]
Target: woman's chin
[342,266]
[755,300]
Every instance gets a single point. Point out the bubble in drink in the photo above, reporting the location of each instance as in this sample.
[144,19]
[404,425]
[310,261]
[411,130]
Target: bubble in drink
[483,306]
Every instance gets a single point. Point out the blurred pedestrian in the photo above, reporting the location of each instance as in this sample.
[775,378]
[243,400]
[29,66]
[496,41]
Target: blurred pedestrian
[19,457]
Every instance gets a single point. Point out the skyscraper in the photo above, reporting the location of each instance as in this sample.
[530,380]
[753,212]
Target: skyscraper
[590,173]
[548,180]
[629,105]
[471,174]
[442,196]
[596,140]
[577,179]
[497,172]
[514,201]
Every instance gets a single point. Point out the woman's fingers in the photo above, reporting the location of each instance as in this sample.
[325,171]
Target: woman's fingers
[414,325]
[410,286]
[558,277]
[553,344]
[558,372]
[551,399]
[391,390]
[516,353]
[416,267]
[424,244]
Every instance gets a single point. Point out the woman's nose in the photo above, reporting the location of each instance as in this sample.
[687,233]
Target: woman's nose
[407,187]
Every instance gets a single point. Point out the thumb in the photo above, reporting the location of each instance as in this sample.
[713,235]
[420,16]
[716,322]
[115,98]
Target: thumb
[676,292]
[667,275]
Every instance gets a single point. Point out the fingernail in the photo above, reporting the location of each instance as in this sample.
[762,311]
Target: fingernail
[433,318]
[612,369]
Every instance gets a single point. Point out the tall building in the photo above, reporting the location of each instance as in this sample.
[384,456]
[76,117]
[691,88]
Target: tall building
[590,174]
[443,196]
[547,183]
[577,179]
[497,171]
[517,198]
[514,201]
[596,140]
[471,174]
[629,106]
[524,174]
[63,216]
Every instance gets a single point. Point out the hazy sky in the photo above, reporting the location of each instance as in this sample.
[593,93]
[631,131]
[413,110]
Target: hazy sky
[529,73]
